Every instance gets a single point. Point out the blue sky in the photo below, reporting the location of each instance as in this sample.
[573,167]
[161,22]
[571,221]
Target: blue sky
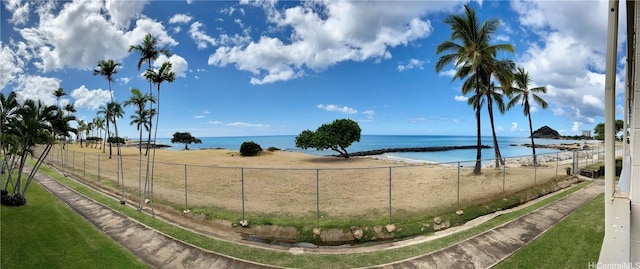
[278,68]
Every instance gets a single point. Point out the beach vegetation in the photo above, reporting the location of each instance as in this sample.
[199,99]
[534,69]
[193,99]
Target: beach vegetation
[474,57]
[599,129]
[185,138]
[337,136]
[23,127]
[250,148]
[521,93]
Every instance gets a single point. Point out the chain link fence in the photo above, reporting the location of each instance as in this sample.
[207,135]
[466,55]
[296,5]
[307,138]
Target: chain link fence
[317,195]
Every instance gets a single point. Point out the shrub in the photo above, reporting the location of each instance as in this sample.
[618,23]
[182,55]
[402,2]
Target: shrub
[250,148]
[273,149]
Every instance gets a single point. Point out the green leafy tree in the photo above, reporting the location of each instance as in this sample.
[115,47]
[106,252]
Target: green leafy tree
[337,136]
[599,129]
[475,60]
[521,93]
[185,138]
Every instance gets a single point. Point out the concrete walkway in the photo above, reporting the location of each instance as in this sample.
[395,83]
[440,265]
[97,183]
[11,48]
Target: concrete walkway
[162,251]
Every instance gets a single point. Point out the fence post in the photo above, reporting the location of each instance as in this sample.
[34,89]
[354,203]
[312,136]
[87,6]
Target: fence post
[186,205]
[389,194]
[557,162]
[98,167]
[504,174]
[242,184]
[73,163]
[535,170]
[458,199]
[318,198]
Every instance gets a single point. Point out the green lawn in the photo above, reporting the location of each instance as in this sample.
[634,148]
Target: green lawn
[45,233]
[573,243]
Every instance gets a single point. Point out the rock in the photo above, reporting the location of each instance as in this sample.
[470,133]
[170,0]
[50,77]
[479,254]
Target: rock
[316,231]
[335,235]
[391,228]
[357,234]
[244,223]
[459,212]
[437,220]
[147,201]
[186,211]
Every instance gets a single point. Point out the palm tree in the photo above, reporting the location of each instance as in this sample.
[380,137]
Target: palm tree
[107,69]
[116,112]
[82,128]
[149,52]
[98,123]
[8,108]
[104,110]
[33,123]
[163,74]
[59,93]
[520,91]
[139,101]
[475,58]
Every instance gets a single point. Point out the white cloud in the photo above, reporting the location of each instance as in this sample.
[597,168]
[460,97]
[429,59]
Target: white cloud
[413,63]
[178,64]
[448,73]
[122,12]
[576,127]
[500,129]
[567,55]
[124,81]
[461,98]
[198,117]
[37,88]
[248,125]
[335,108]
[369,114]
[514,126]
[200,37]
[326,33]
[11,65]
[214,122]
[180,18]
[20,11]
[90,99]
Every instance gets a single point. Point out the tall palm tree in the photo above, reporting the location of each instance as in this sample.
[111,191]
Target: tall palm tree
[139,101]
[116,112]
[107,69]
[163,74]
[474,57]
[104,110]
[82,128]
[58,94]
[520,93]
[98,123]
[149,52]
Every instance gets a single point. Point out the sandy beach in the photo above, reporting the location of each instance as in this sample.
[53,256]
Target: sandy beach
[292,183]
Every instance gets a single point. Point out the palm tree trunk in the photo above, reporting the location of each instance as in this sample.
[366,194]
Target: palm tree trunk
[496,148]
[153,159]
[533,146]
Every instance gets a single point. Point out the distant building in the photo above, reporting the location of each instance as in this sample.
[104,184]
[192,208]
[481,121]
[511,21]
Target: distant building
[586,133]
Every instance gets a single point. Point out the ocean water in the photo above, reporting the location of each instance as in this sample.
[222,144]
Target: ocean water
[509,146]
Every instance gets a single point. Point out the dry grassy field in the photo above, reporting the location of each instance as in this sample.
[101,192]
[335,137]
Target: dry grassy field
[296,184]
